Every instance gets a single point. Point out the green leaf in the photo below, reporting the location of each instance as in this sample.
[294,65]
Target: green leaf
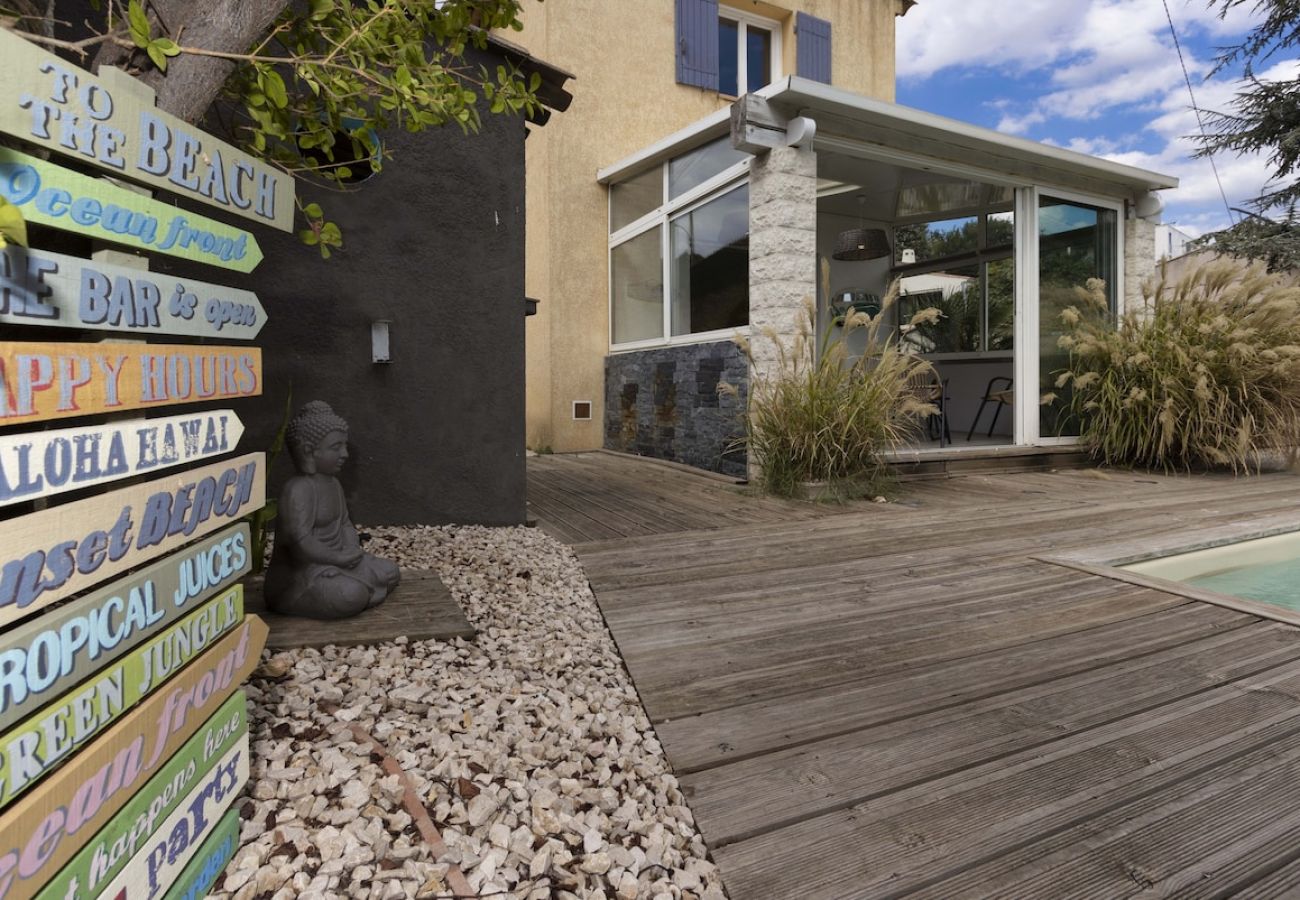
[159,59]
[324,252]
[312,211]
[167,46]
[275,89]
[309,237]
[330,234]
[13,228]
[139,24]
[320,9]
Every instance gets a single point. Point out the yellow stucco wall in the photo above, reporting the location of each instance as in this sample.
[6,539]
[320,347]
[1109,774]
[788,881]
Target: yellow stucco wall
[625,96]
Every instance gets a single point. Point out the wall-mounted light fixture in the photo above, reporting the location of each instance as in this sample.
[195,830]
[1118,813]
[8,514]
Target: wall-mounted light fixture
[379,347]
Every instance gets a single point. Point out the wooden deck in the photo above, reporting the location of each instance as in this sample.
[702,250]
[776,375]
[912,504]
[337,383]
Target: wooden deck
[902,700]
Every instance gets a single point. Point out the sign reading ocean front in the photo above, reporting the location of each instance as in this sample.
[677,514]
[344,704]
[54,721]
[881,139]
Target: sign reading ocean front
[110,121]
[38,287]
[95,207]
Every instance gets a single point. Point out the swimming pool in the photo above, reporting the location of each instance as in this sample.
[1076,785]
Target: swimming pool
[1265,569]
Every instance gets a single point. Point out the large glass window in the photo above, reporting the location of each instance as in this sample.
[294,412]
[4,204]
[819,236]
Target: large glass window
[964,268]
[696,206]
[749,52]
[1076,242]
[710,272]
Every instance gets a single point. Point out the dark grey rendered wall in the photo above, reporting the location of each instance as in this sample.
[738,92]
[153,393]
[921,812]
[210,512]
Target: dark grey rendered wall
[435,243]
[665,403]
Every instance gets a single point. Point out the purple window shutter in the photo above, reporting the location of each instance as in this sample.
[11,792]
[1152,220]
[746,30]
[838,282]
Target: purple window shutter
[697,43]
[813,49]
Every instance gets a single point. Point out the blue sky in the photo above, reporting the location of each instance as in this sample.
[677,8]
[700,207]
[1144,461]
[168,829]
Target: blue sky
[1099,76]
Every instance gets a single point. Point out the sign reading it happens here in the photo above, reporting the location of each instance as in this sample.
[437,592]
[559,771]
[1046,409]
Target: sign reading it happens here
[41,288]
[45,463]
[110,120]
[42,381]
[57,552]
[95,207]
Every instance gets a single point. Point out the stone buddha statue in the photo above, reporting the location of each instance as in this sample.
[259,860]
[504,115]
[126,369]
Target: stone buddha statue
[318,569]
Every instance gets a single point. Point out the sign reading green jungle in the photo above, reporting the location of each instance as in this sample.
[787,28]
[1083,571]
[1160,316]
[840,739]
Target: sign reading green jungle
[110,121]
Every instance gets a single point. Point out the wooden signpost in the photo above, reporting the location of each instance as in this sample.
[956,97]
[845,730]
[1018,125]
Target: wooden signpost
[109,120]
[95,207]
[199,876]
[41,288]
[43,830]
[104,855]
[57,552]
[43,381]
[44,657]
[99,454]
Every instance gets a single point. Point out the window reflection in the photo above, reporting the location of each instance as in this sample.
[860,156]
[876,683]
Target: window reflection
[710,265]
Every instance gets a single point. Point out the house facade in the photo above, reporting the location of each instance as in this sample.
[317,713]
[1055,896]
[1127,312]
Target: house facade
[716,156]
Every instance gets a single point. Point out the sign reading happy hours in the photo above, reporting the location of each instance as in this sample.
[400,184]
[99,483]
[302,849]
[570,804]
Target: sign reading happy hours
[111,121]
[40,381]
[38,287]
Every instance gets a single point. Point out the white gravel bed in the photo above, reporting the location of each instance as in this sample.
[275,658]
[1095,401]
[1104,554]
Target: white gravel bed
[528,747]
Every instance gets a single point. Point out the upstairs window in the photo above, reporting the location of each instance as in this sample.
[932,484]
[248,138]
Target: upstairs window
[749,52]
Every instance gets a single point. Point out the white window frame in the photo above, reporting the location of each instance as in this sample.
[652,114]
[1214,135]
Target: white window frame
[724,182]
[743,21]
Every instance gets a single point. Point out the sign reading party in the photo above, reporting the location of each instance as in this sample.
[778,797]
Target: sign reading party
[95,207]
[38,287]
[109,120]
[41,381]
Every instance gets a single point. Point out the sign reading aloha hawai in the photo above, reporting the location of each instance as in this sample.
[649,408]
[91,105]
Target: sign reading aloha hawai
[42,658]
[57,552]
[42,742]
[109,120]
[44,463]
[104,855]
[38,287]
[43,830]
[41,381]
[95,207]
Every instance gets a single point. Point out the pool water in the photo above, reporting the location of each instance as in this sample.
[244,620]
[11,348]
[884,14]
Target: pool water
[1265,569]
[1277,583]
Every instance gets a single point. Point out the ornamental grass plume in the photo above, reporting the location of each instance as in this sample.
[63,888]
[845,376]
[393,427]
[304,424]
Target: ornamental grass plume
[1207,375]
[823,415]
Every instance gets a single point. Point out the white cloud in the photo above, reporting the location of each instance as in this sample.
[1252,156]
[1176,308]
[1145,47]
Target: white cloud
[1072,65]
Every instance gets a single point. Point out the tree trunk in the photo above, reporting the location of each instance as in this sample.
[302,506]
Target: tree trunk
[192,82]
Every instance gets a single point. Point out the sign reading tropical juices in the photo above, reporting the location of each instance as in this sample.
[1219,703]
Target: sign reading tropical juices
[95,207]
[38,287]
[42,381]
[60,551]
[44,829]
[44,463]
[42,658]
[110,121]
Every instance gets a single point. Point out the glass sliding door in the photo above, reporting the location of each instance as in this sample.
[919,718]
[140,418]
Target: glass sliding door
[1076,242]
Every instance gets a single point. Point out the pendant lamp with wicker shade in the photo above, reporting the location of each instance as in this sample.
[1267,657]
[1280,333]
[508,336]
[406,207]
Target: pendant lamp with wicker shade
[861,242]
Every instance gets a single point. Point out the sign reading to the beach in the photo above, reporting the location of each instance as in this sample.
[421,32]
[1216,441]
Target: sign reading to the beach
[42,381]
[57,552]
[42,742]
[44,463]
[38,287]
[104,855]
[110,121]
[43,830]
[95,207]
[42,658]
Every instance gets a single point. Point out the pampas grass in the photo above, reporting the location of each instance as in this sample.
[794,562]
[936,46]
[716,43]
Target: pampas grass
[825,417]
[1208,375]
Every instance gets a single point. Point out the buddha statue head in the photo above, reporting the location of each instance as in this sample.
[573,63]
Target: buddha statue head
[317,438]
